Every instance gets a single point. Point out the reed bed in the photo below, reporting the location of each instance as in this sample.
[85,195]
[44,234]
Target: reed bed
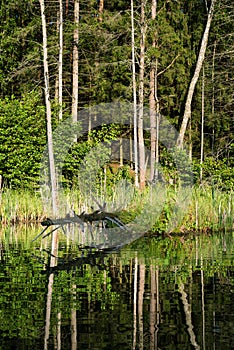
[210,210]
[207,209]
[22,206]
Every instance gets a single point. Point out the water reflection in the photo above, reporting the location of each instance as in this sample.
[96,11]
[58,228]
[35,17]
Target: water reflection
[157,293]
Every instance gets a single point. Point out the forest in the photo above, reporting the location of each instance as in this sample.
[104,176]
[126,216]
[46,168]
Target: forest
[173,57]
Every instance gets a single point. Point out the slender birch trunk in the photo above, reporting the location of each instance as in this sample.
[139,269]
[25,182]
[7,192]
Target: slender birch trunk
[60,63]
[48,113]
[75,62]
[213,95]
[200,59]
[141,99]
[202,122]
[152,103]
[134,97]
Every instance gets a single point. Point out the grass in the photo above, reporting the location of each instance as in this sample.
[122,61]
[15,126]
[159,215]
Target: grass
[203,209]
[20,206]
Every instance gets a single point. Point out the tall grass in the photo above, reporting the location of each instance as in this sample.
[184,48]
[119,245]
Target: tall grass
[20,206]
[210,209]
[207,208]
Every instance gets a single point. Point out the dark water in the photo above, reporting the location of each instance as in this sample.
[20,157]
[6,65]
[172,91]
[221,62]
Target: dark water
[157,293]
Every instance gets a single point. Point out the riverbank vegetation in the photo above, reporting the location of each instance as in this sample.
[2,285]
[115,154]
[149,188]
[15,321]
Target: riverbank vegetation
[145,54]
[207,210]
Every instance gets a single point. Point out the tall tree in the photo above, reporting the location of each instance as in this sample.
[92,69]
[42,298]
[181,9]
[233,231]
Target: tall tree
[141,97]
[75,76]
[60,62]
[134,88]
[200,59]
[52,173]
[152,102]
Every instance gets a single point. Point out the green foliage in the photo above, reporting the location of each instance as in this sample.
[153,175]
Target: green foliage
[217,173]
[88,156]
[22,139]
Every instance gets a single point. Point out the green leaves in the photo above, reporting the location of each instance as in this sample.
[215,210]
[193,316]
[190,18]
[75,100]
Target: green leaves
[22,138]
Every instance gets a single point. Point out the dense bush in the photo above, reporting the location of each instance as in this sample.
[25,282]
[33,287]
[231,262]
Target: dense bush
[22,139]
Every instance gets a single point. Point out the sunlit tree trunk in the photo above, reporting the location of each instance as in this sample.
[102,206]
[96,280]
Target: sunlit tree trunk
[213,95]
[152,103]
[202,122]
[75,62]
[60,63]
[100,10]
[200,59]
[54,194]
[141,99]
[54,247]
[134,97]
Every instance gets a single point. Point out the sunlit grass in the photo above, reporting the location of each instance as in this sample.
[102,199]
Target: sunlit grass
[20,206]
[161,208]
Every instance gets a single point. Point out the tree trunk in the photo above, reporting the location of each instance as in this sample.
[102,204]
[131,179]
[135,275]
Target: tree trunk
[100,10]
[134,97]
[60,63]
[202,122]
[141,99]
[54,242]
[200,59]
[75,63]
[48,112]
[152,104]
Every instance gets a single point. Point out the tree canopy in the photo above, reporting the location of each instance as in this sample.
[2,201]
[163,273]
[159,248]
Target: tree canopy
[105,72]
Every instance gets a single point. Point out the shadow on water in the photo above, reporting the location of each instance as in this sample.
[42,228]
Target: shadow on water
[156,293]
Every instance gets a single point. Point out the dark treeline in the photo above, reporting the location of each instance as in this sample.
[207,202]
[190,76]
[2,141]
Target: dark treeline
[172,42]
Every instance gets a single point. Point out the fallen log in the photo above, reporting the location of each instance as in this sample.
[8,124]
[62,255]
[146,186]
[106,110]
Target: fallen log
[96,216]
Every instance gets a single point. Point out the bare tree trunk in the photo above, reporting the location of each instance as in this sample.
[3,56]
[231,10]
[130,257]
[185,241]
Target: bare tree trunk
[202,123]
[60,63]
[152,104]
[200,59]
[141,99]
[54,246]
[213,95]
[134,97]
[75,62]
[100,10]
[66,7]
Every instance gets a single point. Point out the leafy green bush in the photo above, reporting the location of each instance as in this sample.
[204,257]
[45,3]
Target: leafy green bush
[22,139]
[218,173]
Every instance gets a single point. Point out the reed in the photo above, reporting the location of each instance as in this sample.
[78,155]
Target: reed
[209,209]
[22,206]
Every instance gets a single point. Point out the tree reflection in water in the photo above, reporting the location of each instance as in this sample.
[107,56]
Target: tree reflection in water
[157,293]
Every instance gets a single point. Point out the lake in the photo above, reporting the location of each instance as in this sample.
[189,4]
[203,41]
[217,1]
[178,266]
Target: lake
[156,293]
